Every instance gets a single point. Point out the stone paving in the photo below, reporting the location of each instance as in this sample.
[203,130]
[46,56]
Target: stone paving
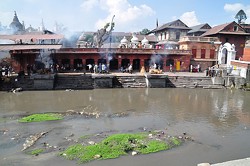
[240,162]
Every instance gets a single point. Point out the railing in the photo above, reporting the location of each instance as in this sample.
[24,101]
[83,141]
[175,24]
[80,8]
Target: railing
[123,50]
[199,39]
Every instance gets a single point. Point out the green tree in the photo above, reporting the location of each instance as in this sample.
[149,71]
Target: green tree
[241,15]
[145,31]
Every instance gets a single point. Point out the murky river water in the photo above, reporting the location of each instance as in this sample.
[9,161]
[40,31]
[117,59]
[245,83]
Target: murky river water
[218,121]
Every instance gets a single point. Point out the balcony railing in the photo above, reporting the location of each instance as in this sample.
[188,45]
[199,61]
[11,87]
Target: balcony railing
[123,51]
[199,39]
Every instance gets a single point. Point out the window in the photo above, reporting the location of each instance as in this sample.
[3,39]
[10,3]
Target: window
[194,53]
[178,34]
[212,52]
[203,53]
[235,28]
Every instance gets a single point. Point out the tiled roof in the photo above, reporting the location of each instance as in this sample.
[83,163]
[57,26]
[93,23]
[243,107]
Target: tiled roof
[170,25]
[221,29]
[4,47]
[198,28]
[216,29]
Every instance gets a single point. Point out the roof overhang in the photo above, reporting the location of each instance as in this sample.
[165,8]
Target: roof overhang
[28,37]
[6,47]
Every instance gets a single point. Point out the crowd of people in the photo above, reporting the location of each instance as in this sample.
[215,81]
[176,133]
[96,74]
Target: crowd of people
[101,68]
[6,71]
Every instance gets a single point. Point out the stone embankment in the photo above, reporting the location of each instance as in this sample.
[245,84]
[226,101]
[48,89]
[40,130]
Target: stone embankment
[79,81]
[240,162]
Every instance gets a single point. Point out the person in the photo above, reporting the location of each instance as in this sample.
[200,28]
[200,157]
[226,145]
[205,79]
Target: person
[103,68]
[170,68]
[155,66]
[95,68]
[142,70]
[130,69]
[28,69]
[191,68]
[90,67]
[198,68]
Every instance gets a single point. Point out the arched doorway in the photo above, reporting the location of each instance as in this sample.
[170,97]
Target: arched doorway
[226,54]
[78,64]
[65,64]
[113,64]
[125,63]
[136,64]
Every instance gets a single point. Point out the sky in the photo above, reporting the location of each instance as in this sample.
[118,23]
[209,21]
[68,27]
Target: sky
[130,15]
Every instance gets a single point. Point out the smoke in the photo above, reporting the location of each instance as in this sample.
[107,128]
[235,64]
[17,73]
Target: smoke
[70,38]
[155,59]
[44,58]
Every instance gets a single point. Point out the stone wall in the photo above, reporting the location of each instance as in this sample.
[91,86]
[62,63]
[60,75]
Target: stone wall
[84,81]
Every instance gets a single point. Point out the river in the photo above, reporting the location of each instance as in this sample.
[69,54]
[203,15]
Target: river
[217,120]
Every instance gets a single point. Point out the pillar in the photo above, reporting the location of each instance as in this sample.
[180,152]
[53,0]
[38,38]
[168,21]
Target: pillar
[119,61]
[164,67]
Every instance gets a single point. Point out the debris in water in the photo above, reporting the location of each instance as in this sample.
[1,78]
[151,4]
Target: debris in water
[32,140]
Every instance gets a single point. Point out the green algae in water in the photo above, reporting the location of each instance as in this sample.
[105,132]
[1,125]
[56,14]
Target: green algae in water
[116,145]
[41,117]
[35,152]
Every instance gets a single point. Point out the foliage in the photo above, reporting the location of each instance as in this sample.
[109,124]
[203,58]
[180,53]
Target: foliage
[36,152]
[41,117]
[176,141]
[241,15]
[145,31]
[117,145]
[89,38]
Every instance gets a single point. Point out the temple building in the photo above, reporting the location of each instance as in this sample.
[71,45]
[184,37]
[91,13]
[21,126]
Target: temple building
[173,44]
[16,26]
[230,33]
[204,50]
[169,34]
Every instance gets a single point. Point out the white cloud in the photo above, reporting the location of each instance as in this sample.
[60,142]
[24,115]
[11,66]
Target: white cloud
[125,13]
[233,7]
[236,7]
[89,4]
[189,18]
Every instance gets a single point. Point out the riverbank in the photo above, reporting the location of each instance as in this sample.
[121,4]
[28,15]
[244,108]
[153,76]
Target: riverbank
[80,81]
[218,121]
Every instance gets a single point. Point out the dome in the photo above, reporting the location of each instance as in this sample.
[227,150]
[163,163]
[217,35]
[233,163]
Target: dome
[144,41]
[15,24]
[124,40]
[134,39]
[82,37]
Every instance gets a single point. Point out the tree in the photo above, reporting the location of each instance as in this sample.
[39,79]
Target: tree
[241,15]
[145,31]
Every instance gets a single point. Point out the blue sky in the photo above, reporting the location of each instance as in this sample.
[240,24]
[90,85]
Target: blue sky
[130,15]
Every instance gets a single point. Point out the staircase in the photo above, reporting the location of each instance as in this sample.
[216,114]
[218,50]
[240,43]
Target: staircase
[129,82]
[195,82]
[80,81]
